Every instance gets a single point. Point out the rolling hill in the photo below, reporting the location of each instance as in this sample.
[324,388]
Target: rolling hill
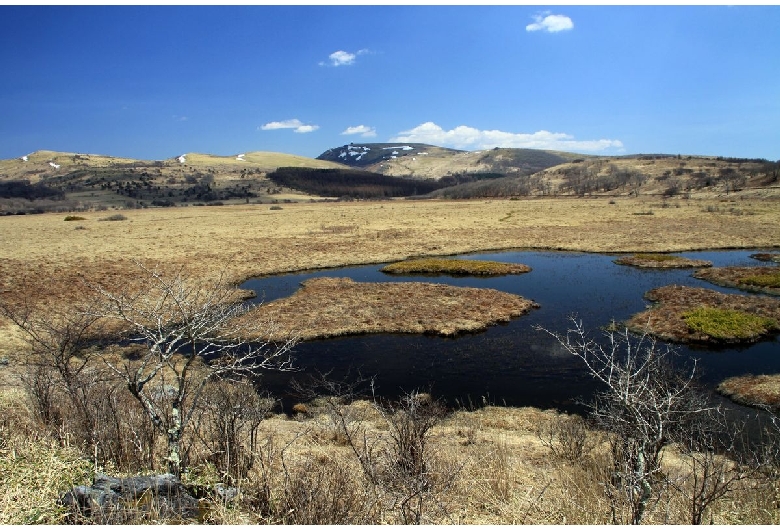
[74,181]
[631,176]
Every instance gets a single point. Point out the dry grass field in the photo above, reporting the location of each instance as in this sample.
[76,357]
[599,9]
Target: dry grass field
[488,466]
[251,240]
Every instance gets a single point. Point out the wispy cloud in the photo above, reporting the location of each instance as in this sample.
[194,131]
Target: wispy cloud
[363,130]
[463,137]
[342,58]
[550,23]
[295,124]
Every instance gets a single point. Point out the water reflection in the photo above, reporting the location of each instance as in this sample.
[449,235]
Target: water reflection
[514,363]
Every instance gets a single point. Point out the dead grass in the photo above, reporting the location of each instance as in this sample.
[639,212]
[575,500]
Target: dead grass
[455,267]
[34,469]
[766,256]
[753,390]
[661,261]
[331,307]
[501,473]
[667,319]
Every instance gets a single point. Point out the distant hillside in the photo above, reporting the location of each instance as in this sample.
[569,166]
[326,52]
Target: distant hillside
[427,161]
[49,180]
[55,181]
[634,175]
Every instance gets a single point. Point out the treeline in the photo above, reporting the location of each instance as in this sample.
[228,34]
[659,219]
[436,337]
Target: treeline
[22,189]
[348,183]
[494,187]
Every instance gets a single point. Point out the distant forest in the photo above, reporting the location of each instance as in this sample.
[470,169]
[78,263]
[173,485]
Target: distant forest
[22,189]
[347,183]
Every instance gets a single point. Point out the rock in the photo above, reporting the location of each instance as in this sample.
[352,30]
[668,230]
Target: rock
[129,500]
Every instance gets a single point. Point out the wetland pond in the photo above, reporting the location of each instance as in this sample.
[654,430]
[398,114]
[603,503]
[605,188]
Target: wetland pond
[512,364]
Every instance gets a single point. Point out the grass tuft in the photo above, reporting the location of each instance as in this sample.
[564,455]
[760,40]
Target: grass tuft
[455,266]
[753,390]
[661,261]
[115,217]
[655,257]
[771,279]
[728,324]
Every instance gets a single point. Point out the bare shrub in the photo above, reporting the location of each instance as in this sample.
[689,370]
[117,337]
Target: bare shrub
[566,437]
[227,427]
[321,490]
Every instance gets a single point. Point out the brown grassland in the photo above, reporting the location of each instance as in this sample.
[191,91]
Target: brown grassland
[330,307]
[489,466]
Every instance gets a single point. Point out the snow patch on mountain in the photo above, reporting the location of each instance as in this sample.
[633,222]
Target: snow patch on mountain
[401,147]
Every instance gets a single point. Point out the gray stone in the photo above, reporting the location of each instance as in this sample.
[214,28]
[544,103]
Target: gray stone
[113,500]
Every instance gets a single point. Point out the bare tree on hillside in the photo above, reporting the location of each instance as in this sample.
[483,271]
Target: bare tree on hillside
[191,333]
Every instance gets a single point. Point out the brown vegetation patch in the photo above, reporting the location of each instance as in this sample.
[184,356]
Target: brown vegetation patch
[767,256]
[331,307]
[661,261]
[755,279]
[455,267]
[753,390]
[667,319]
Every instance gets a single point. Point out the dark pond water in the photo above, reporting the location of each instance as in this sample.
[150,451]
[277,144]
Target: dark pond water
[513,364]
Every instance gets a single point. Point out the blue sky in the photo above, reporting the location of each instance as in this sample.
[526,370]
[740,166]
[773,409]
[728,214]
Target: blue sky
[155,82]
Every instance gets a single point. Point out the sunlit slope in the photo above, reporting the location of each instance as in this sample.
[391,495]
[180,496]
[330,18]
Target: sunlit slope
[499,160]
[262,160]
[42,164]
[49,163]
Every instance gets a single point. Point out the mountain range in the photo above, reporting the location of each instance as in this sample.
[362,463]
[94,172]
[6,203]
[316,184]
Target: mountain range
[50,180]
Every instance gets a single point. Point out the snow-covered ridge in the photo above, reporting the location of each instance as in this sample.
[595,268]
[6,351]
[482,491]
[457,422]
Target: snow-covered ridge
[354,151]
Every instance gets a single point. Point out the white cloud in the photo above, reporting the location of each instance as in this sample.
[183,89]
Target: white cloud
[306,128]
[295,124]
[363,130]
[550,23]
[342,58]
[469,138]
